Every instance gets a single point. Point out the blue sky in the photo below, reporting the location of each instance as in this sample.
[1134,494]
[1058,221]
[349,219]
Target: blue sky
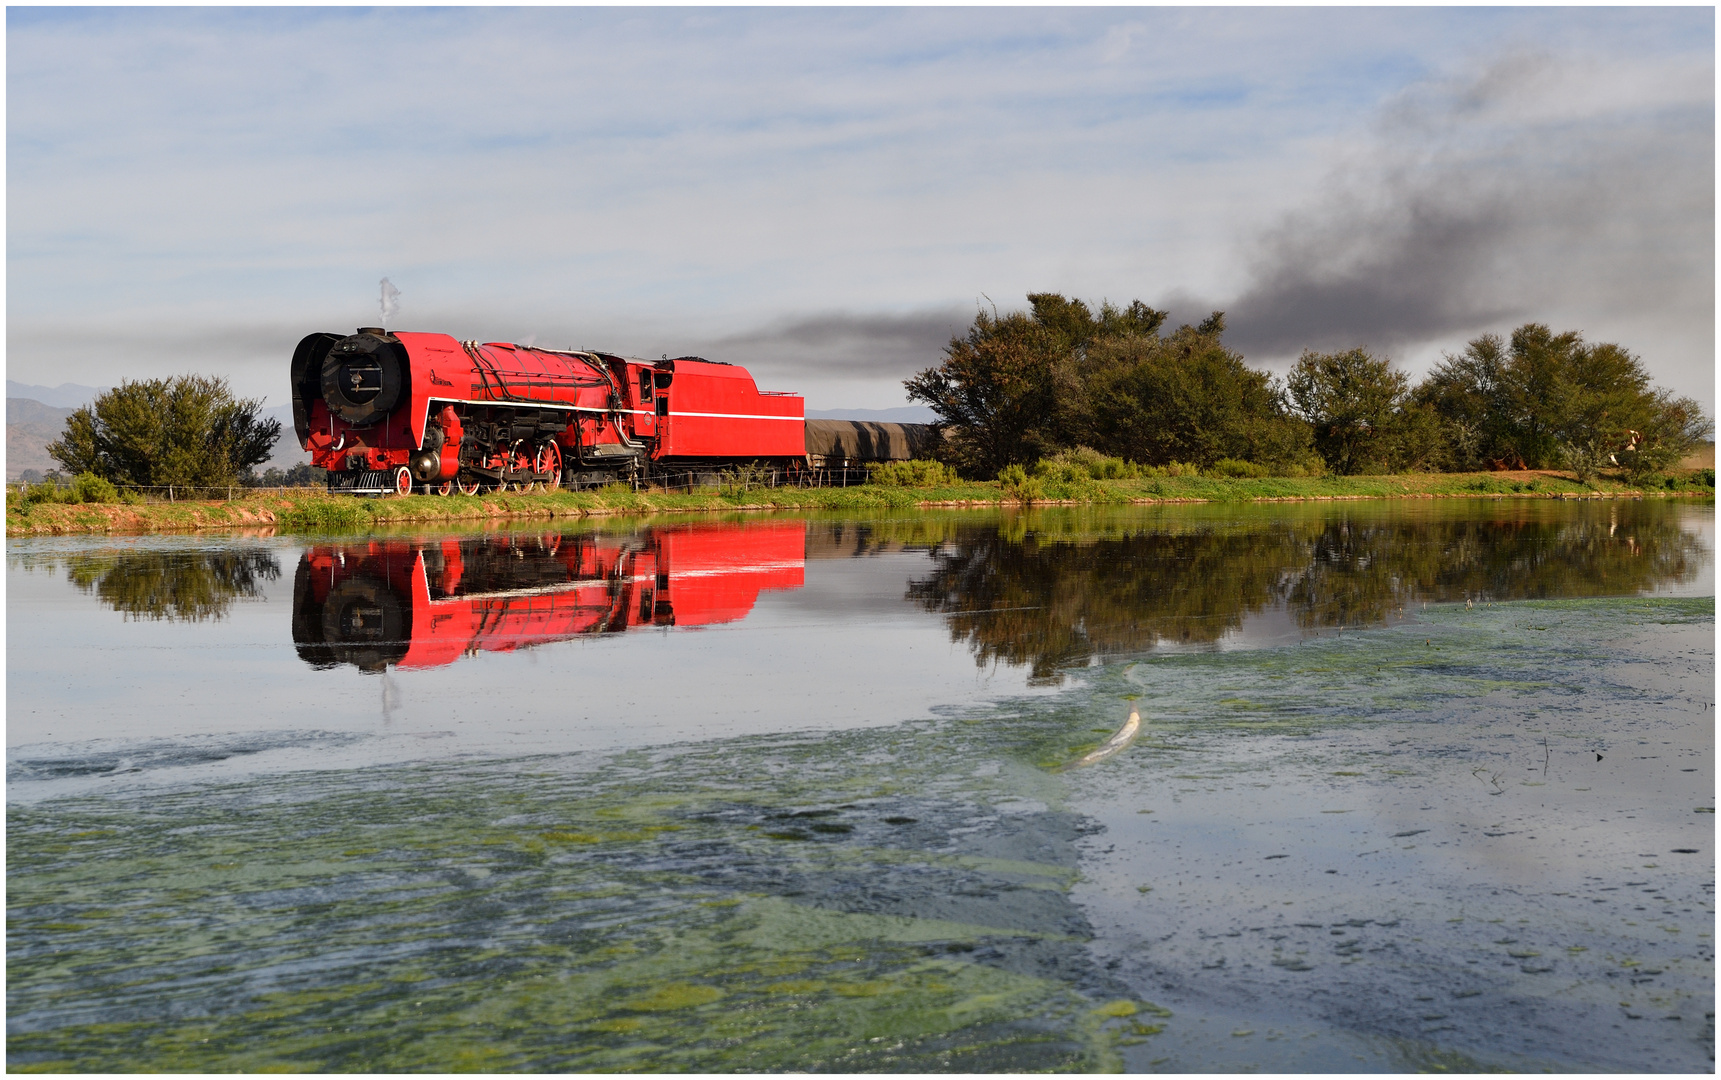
[825,195]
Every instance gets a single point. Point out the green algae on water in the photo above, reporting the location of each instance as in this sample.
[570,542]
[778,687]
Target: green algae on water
[518,916]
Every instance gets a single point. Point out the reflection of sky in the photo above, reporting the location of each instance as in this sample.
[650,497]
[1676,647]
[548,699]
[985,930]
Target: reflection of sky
[846,650]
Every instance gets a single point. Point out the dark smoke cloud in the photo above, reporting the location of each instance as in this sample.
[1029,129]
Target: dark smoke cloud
[1516,196]
[826,347]
[849,345]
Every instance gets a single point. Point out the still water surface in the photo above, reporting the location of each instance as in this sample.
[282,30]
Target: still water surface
[1415,785]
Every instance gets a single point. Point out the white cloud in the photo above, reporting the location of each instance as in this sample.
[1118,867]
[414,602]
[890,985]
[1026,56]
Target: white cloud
[200,187]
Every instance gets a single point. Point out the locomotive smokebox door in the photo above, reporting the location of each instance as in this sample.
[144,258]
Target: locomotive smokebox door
[363,377]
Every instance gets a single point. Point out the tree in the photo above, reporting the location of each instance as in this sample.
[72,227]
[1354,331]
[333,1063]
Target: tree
[1185,397]
[1418,440]
[188,430]
[1672,428]
[1011,389]
[304,474]
[1020,387]
[1553,399]
[1468,392]
[993,392]
[1352,400]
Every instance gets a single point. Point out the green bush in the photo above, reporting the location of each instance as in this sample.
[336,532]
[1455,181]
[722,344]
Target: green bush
[87,487]
[48,491]
[1695,480]
[1171,469]
[1082,463]
[914,474]
[1240,470]
[84,488]
[1017,484]
[742,479]
[29,494]
[1354,404]
[326,515]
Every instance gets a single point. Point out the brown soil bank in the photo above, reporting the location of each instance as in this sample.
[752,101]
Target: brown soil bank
[310,510]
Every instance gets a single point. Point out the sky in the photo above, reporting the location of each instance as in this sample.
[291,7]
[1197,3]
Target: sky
[827,195]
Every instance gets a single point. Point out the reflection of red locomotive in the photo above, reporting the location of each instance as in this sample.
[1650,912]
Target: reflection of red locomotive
[420,604]
[387,412]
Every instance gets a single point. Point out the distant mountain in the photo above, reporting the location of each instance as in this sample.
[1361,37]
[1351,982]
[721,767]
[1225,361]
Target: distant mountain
[287,451]
[30,427]
[905,414]
[63,396]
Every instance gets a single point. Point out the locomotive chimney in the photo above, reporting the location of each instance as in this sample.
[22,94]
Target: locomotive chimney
[373,331]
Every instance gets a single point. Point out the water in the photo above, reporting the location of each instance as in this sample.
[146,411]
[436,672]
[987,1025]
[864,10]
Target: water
[1415,786]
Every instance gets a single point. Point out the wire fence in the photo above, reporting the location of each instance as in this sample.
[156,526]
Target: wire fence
[746,480]
[689,481]
[170,492]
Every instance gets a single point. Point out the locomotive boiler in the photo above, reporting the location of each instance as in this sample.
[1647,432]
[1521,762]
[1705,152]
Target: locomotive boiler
[390,413]
[418,604]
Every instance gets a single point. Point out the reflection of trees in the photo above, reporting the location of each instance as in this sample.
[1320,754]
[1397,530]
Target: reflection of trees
[845,537]
[1359,572]
[1052,592]
[1051,604]
[184,586]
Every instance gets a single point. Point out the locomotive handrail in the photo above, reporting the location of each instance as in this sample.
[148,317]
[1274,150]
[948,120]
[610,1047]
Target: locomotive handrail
[596,365]
[506,379]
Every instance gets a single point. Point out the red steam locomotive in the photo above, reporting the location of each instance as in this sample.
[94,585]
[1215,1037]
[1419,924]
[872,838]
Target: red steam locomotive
[388,413]
[399,603]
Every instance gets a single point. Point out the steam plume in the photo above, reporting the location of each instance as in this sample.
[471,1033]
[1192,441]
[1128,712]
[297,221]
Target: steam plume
[390,301]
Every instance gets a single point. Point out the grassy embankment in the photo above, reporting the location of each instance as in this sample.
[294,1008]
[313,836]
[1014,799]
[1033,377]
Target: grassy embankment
[314,511]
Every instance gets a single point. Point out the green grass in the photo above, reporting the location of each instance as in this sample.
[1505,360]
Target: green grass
[317,512]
